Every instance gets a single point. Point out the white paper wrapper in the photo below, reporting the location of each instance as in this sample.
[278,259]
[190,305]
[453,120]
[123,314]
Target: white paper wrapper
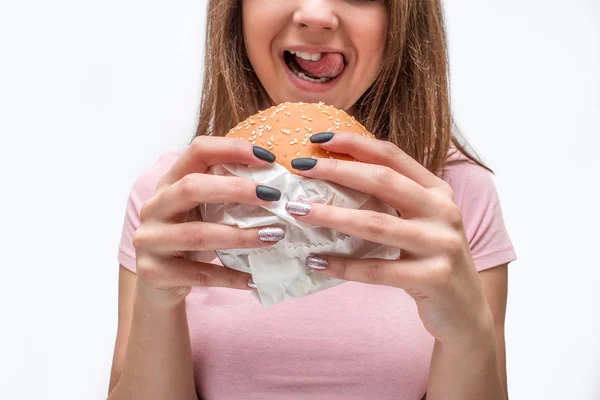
[279,271]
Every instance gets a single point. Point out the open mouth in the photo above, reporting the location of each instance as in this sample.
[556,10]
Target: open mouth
[315,67]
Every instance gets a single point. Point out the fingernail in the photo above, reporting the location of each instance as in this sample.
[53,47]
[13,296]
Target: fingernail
[297,208]
[271,234]
[263,154]
[267,193]
[304,164]
[321,137]
[316,262]
[251,284]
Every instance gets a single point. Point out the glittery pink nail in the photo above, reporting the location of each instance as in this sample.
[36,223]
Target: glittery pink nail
[271,234]
[316,262]
[297,208]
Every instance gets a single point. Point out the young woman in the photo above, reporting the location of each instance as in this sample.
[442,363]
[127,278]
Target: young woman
[430,324]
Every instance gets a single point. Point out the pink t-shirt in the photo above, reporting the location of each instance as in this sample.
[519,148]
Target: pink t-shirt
[352,341]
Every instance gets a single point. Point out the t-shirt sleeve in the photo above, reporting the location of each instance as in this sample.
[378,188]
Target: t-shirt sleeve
[143,189]
[483,221]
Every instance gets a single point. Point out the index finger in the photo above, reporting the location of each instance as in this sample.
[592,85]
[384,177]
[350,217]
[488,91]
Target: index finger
[382,152]
[206,151]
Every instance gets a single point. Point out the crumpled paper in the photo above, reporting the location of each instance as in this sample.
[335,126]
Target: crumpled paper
[279,270]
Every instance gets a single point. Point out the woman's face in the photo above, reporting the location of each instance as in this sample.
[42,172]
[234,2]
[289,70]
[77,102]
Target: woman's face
[315,50]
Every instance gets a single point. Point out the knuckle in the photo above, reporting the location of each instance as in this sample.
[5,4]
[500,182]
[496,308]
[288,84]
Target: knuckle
[239,147]
[440,272]
[188,186]
[331,166]
[374,273]
[140,239]
[197,145]
[201,278]
[240,188]
[146,269]
[391,151]
[447,189]
[242,239]
[377,224]
[384,176]
[453,215]
[193,236]
[147,209]
[232,280]
[342,271]
[451,244]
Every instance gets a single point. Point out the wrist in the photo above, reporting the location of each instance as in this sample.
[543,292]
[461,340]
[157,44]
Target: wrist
[160,299]
[481,339]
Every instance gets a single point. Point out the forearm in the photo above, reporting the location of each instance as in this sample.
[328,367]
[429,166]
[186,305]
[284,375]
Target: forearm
[158,359]
[466,371]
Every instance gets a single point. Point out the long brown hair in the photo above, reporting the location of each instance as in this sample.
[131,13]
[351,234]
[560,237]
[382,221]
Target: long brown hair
[408,104]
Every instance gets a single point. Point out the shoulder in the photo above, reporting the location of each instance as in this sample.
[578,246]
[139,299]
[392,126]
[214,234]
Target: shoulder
[471,183]
[476,195]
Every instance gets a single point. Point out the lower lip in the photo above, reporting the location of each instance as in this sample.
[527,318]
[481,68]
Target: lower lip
[308,86]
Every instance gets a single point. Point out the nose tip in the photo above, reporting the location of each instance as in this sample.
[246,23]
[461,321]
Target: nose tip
[316,17]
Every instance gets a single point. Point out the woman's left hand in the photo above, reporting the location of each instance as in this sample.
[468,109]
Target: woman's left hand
[436,267]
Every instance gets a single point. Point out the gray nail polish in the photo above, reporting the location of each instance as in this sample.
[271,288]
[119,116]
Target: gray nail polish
[297,208]
[271,234]
[321,137]
[267,193]
[304,164]
[263,154]
[316,262]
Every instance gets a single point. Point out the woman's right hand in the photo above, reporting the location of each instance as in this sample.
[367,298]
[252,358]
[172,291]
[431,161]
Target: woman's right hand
[170,225]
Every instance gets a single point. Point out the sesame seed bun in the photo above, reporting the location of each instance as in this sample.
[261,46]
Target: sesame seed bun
[285,130]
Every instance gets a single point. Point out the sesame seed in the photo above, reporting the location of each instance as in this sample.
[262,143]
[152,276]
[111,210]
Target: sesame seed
[297,154]
[304,117]
[310,119]
[348,124]
[288,113]
[252,122]
[297,129]
[292,142]
[260,133]
[269,143]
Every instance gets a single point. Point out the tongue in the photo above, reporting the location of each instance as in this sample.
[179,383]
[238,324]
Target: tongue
[329,66]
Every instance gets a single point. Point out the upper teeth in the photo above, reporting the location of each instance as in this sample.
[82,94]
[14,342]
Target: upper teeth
[307,56]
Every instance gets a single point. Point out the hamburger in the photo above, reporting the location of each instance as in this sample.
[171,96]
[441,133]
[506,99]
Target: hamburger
[280,271]
[285,130]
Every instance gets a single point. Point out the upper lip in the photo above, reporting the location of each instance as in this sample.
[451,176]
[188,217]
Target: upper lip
[314,49]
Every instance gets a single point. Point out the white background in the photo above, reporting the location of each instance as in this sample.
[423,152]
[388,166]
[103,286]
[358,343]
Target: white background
[91,93]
